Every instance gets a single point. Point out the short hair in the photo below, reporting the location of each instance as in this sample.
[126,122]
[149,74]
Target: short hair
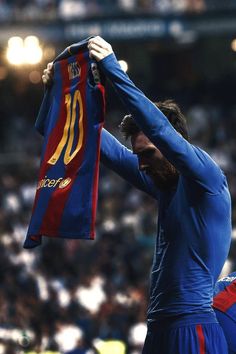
[172,112]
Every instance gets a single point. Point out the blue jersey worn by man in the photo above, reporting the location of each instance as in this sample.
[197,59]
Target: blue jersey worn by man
[224,304]
[194,228]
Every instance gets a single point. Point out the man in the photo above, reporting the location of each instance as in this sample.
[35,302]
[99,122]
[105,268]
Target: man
[194,227]
[224,304]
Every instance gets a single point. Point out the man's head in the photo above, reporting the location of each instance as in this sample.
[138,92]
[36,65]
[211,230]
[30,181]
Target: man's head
[150,158]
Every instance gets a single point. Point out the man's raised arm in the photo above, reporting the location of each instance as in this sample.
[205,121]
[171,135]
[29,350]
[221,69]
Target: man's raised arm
[190,161]
[121,160]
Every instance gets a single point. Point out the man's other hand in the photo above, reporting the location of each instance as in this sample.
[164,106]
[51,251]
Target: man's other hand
[47,76]
[99,48]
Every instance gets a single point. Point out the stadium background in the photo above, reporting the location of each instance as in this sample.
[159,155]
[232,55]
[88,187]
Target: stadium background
[92,296]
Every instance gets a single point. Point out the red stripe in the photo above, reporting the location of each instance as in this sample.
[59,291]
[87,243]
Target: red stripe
[96,176]
[55,209]
[226,298]
[201,339]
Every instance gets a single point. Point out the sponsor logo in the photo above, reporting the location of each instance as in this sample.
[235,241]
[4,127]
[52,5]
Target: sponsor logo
[52,183]
[73,70]
[65,183]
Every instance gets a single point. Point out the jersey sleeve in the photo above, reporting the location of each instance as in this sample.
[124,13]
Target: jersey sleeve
[222,283]
[43,115]
[121,160]
[190,161]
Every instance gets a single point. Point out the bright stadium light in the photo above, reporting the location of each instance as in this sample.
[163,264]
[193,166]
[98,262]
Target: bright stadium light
[15,51]
[233,45]
[32,50]
[31,41]
[27,51]
[124,65]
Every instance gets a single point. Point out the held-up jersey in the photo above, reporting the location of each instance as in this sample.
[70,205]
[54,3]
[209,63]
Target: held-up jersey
[194,221]
[70,119]
[225,296]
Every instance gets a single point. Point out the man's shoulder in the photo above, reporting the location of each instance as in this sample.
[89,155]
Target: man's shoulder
[205,156]
[213,174]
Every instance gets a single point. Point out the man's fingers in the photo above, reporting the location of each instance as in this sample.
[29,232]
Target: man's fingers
[99,48]
[94,41]
[94,45]
[100,42]
[47,76]
[94,54]
[45,72]
[44,79]
[50,66]
[103,43]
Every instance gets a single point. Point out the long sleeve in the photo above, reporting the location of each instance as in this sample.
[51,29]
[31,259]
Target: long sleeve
[122,161]
[190,161]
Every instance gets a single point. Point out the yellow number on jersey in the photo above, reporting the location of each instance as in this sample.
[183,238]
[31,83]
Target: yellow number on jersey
[70,128]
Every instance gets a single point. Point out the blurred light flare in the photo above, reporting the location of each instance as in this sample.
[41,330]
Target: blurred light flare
[27,51]
[137,333]
[15,50]
[15,42]
[31,41]
[35,77]
[234,233]
[233,45]
[124,65]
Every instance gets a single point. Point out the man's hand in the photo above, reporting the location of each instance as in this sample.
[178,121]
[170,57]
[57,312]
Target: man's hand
[99,48]
[48,75]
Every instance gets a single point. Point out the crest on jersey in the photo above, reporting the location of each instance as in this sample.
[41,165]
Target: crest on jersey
[73,70]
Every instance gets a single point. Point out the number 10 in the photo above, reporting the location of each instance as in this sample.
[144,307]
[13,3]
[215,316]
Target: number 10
[71,102]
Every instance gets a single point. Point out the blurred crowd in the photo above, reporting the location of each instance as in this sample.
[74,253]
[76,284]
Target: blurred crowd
[73,294]
[78,297]
[69,9]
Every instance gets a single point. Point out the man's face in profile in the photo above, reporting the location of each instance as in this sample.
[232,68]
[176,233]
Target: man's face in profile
[153,163]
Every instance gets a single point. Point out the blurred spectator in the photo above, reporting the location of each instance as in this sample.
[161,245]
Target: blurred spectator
[72,9]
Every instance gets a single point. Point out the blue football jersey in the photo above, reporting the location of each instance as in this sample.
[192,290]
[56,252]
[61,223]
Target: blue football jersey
[70,119]
[194,219]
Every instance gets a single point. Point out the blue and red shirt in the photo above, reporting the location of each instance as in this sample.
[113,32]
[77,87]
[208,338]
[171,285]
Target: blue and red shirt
[70,119]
